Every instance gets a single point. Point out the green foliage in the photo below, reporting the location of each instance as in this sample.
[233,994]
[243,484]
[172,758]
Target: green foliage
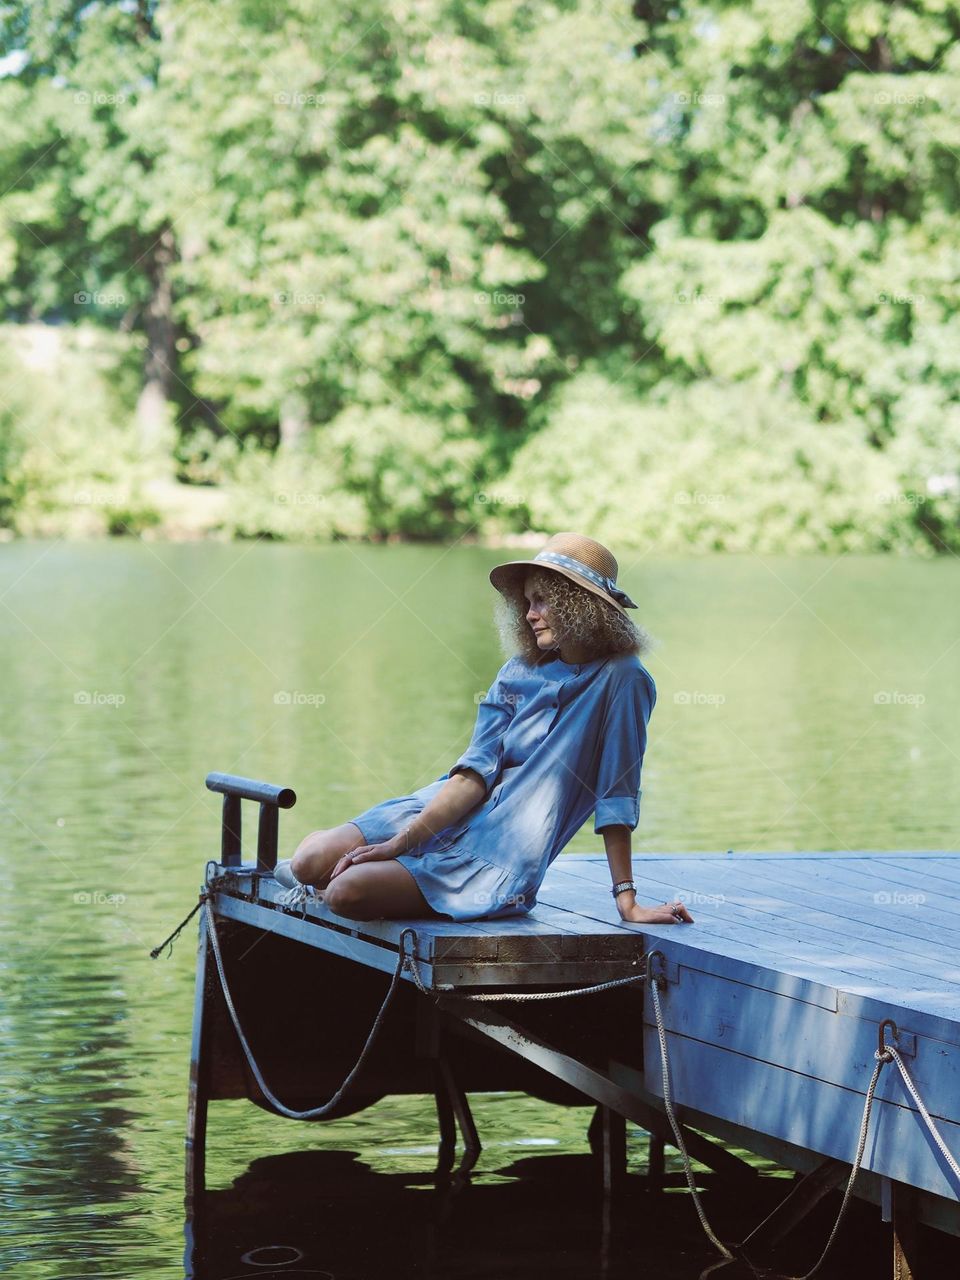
[70,464]
[706,466]
[288,496]
[404,258]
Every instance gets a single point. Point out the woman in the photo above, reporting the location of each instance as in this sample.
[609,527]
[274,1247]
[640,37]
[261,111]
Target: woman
[559,735]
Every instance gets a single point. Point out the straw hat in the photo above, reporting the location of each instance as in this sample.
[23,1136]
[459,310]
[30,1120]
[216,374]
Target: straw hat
[580,559]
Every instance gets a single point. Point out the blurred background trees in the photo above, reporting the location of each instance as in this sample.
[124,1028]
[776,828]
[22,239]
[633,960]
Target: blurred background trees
[684,276]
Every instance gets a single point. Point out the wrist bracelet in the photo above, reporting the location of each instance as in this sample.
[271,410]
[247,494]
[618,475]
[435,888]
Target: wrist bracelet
[623,886]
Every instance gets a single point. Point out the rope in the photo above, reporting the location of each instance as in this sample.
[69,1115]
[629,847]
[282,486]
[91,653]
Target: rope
[681,1146]
[521,995]
[364,1052]
[934,1132]
[882,1060]
[186,920]
[887,1054]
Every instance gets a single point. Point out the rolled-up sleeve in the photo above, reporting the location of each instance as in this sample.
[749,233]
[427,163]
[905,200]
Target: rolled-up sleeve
[485,752]
[622,744]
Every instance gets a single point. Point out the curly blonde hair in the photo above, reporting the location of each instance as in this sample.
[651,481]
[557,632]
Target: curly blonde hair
[580,617]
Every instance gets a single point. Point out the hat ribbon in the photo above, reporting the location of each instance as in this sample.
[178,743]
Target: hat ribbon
[605,584]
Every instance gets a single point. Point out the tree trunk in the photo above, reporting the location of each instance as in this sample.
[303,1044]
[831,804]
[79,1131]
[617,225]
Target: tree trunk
[159,371]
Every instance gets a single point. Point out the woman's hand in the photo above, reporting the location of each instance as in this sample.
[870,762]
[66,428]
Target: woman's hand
[669,913]
[370,853]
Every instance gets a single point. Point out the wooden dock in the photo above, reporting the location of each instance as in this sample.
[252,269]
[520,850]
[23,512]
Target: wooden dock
[773,1005]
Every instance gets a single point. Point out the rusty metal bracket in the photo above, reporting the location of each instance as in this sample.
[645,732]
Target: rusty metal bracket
[905,1042]
[661,970]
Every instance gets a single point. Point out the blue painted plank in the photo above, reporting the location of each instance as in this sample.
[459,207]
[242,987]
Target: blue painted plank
[922,878]
[533,925]
[743,962]
[774,937]
[822,915]
[292,926]
[846,964]
[936,1011]
[875,959]
[803,1111]
[865,880]
[573,919]
[944,865]
[387,930]
[826,1045]
[830,880]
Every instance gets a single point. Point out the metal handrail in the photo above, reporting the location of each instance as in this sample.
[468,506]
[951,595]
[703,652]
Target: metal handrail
[272,799]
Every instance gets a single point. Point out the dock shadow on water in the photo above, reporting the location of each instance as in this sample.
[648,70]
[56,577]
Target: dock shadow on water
[327,1214]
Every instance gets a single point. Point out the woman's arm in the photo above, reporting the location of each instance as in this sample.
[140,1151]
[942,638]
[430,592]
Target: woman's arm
[458,795]
[616,840]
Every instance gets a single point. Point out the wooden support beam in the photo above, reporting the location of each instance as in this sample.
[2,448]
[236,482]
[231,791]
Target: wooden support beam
[446,1122]
[656,1162]
[613,1150]
[460,1108]
[805,1194]
[906,1264]
[195,1140]
[592,1083]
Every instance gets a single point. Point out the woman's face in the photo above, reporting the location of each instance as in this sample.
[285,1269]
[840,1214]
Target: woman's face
[538,614]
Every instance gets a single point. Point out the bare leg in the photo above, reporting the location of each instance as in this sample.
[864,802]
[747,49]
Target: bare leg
[377,891]
[318,853]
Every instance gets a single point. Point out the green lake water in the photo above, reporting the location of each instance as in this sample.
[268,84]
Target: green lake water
[803,704]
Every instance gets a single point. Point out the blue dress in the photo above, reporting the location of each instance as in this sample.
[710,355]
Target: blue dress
[554,743]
